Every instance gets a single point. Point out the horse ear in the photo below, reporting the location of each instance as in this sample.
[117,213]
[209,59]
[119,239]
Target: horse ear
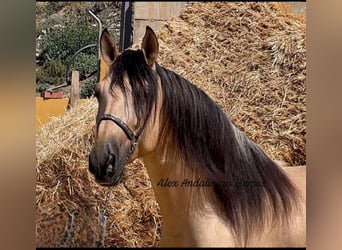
[108,48]
[150,46]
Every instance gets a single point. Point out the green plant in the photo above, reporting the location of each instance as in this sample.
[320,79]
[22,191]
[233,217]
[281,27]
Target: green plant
[42,87]
[88,89]
[58,46]
[52,72]
[50,22]
[53,7]
[61,43]
[85,64]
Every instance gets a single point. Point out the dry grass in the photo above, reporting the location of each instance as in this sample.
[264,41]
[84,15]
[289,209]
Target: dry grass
[70,204]
[249,57]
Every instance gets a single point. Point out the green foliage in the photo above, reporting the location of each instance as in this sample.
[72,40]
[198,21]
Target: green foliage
[88,89]
[85,64]
[53,7]
[49,23]
[52,72]
[61,43]
[42,87]
[62,31]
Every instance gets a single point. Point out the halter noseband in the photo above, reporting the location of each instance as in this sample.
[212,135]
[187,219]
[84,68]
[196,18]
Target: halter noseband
[129,133]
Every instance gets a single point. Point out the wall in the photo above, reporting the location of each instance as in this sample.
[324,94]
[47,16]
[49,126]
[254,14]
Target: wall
[298,7]
[153,14]
[47,108]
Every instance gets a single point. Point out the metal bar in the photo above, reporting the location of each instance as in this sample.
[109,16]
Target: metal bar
[98,43]
[67,78]
[58,86]
[126,25]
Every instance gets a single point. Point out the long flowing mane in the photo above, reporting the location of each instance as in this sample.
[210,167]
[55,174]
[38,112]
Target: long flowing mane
[204,135]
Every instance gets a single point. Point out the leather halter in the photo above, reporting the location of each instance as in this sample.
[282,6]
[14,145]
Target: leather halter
[129,133]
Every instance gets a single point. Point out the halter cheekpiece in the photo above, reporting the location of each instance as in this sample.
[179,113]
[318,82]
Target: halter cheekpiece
[129,133]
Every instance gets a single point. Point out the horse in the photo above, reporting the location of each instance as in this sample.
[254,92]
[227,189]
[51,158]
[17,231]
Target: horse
[214,185]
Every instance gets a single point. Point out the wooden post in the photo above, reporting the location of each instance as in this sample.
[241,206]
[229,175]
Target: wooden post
[75,89]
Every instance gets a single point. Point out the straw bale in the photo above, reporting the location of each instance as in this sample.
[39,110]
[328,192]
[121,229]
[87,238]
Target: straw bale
[250,57]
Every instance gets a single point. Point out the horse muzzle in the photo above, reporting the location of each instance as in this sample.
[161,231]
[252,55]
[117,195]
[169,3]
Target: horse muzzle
[108,173]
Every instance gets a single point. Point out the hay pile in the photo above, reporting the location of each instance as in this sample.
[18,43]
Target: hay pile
[249,57]
[70,205]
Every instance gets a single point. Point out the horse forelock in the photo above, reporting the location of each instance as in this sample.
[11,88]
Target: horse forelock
[141,81]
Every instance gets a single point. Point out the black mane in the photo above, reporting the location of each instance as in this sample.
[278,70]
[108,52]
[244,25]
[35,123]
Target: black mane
[206,137]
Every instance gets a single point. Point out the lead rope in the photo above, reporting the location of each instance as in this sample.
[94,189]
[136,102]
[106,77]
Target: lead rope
[69,230]
[103,216]
[103,219]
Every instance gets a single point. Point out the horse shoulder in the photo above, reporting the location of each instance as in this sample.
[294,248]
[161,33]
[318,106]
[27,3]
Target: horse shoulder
[297,175]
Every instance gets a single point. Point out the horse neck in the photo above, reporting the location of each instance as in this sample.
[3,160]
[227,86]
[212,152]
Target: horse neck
[189,218]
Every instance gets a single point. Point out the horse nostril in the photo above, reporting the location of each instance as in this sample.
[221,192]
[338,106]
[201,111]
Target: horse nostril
[110,170]
[110,165]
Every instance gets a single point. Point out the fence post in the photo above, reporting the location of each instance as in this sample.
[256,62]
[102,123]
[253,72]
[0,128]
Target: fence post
[75,89]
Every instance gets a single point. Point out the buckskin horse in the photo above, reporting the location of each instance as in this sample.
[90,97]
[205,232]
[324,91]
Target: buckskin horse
[214,186]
